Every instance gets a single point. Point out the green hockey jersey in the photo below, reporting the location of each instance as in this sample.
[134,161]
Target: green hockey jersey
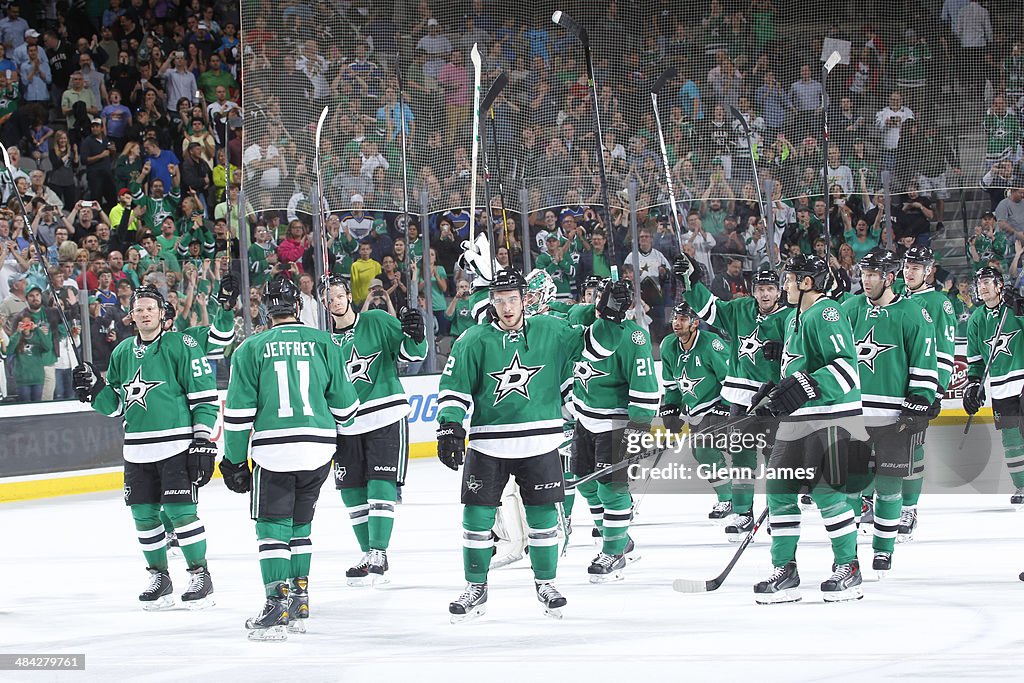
[895,353]
[1006,376]
[164,391]
[582,314]
[372,347]
[749,330]
[819,342]
[289,393]
[480,304]
[514,383]
[615,381]
[214,338]
[692,379]
[940,308]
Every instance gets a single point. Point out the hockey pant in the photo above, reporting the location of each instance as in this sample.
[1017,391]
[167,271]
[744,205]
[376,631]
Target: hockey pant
[478,543]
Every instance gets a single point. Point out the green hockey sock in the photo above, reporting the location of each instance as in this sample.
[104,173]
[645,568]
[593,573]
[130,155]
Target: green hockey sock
[381,496]
[721,483]
[838,520]
[570,493]
[1013,445]
[783,520]
[191,532]
[743,488]
[913,484]
[166,521]
[542,538]
[151,534]
[618,510]
[888,505]
[589,491]
[274,537]
[302,551]
[358,514]
[860,485]
[477,541]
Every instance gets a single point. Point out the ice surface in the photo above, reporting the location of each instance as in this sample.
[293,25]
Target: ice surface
[952,609]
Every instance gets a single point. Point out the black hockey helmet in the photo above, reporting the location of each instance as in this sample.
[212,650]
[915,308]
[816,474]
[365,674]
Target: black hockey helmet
[149,292]
[508,279]
[592,282]
[988,271]
[169,312]
[765,276]
[812,266]
[922,255]
[684,309]
[282,298]
[880,259]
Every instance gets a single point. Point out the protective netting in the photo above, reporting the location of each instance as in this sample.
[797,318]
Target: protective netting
[925,104]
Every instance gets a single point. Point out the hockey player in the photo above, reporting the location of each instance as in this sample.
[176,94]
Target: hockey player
[512,375]
[1005,359]
[616,396]
[583,312]
[896,360]
[755,326]
[694,365]
[919,275]
[160,384]
[373,452]
[287,395]
[819,378]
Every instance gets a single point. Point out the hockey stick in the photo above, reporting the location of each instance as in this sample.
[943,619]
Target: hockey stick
[486,104]
[474,55]
[963,220]
[320,228]
[696,586]
[666,76]
[501,182]
[412,299]
[826,69]
[769,226]
[570,25]
[41,255]
[988,369]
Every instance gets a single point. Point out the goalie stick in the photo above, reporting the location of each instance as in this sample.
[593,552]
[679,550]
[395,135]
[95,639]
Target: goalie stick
[766,217]
[696,586]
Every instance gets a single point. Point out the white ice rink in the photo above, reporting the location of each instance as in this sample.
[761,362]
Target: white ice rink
[953,609]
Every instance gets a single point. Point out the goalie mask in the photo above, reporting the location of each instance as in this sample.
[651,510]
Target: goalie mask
[540,290]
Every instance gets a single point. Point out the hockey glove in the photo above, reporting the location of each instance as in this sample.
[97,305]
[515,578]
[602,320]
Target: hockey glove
[772,350]
[202,455]
[936,407]
[228,294]
[237,478]
[914,414]
[1013,300]
[633,439]
[412,324]
[974,396]
[687,271]
[619,299]
[670,416]
[760,397]
[88,383]
[451,444]
[792,393]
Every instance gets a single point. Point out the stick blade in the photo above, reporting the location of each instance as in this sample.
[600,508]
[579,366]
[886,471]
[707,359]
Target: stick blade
[492,93]
[692,586]
[319,125]
[569,24]
[474,55]
[666,76]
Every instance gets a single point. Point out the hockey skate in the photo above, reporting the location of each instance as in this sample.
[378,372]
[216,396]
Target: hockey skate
[908,523]
[1017,499]
[630,553]
[157,595]
[272,622]
[199,594]
[378,565]
[721,510]
[881,563]
[470,605]
[739,526]
[844,584]
[866,523]
[359,575]
[780,586]
[606,568]
[298,605]
[552,600]
[173,548]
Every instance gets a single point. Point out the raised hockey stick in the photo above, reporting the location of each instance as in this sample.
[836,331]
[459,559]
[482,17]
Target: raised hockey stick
[320,228]
[769,222]
[41,255]
[486,105]
[580,33]
[988,368]
[474,55]
[826,69]
[412,299]
[501,182]
[697,586]
[666,76]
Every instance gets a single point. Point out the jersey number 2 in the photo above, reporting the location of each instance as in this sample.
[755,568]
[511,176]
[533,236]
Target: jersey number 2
[284,399]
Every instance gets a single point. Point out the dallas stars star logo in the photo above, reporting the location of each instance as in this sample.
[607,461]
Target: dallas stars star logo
[689,386]
[136,390]
[359,366]
[868,350]
[750,345]
[788,358]
[514,378]
[1001,345]
[584,372]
